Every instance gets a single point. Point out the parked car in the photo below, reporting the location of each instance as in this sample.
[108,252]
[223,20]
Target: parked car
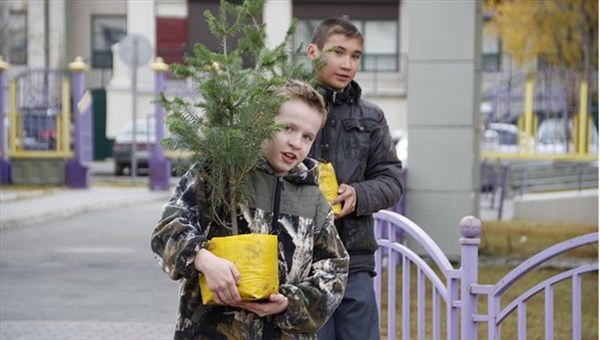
[145,137]
[501,137]
[554,135]
[400,138]
[39,128]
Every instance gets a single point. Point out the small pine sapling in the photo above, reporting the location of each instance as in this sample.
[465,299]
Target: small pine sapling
[225,128]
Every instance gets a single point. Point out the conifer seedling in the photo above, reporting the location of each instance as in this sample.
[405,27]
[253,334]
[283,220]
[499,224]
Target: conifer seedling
[225,127]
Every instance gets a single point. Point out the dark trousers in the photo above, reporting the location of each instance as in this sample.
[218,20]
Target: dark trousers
[357,316]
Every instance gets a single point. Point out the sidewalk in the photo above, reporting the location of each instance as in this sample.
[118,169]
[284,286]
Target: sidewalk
[20,206]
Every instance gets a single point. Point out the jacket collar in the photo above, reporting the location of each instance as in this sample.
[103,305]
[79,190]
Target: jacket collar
[304,173]
[349,94]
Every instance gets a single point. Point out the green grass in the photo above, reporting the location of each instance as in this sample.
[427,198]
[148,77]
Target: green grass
[524,239]
[518,240]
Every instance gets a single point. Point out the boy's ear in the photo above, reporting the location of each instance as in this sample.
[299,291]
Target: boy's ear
[312,51]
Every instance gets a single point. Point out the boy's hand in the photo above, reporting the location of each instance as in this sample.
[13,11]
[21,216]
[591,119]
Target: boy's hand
[222,277]
[276,304]
[347,195]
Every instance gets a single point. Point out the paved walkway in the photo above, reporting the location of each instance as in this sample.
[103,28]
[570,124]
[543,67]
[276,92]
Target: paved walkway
[78,330]
[19,207]
[26,205]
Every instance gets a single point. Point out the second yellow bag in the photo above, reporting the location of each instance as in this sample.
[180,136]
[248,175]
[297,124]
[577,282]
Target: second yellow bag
[255,256]
[328,184]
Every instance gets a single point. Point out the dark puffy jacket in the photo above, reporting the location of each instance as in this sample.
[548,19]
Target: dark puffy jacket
[357,140]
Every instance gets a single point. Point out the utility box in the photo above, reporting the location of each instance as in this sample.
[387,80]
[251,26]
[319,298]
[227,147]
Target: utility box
[37,171]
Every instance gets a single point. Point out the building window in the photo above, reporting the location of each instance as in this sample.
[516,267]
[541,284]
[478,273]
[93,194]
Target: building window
[17,33]
[381,45]
[492,52]
[380,52]
[107,30]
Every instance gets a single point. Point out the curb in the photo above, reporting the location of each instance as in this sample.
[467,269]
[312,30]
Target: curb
[62,212]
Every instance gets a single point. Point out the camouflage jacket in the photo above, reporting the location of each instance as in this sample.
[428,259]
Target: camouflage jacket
[313,263]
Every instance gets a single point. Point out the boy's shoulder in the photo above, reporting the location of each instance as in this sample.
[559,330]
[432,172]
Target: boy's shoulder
[369,105]
[353,95]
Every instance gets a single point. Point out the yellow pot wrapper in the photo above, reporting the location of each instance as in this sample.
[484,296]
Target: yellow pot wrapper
[329,185]
[255,256]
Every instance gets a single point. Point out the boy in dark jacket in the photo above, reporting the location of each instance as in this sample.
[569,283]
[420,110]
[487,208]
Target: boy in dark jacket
[286,201]
[357,140]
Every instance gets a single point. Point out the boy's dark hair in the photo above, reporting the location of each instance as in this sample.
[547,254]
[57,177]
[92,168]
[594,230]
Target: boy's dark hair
[332,26]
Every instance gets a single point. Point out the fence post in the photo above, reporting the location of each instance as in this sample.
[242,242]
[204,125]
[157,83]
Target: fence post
[158,165]
[78,169]
[579,177]
[4,165]
[503,185]
[470,228]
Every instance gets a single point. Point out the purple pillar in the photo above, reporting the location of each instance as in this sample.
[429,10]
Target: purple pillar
[4,164]
[78,168]
[159,166]
[470,228]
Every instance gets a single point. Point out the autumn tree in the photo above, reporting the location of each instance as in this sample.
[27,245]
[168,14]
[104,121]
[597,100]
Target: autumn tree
[562,33]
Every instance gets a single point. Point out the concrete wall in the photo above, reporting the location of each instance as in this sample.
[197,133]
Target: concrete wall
[277,15]
[444,69]
[564,207]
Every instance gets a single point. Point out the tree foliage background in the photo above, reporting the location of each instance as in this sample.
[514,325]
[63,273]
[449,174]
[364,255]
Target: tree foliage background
[563,32]
[236,101]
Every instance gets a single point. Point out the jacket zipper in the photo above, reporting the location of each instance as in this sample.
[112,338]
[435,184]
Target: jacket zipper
[276,202]
[268,322]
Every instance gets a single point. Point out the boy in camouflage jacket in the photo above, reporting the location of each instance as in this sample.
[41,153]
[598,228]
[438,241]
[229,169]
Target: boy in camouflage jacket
[313,263]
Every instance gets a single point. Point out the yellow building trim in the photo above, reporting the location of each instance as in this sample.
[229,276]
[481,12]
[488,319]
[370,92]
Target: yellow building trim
[491,155]
[64,144]
[40,154]
[582,131]
[12,116]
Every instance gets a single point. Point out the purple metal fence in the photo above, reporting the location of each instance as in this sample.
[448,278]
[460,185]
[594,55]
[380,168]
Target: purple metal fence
[458,288]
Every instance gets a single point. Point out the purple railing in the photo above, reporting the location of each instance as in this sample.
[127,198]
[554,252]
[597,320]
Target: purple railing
[433,269]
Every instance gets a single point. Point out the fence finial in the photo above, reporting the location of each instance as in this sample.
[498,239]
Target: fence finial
[470,227]
[3,64]
[159,65]
[78,65]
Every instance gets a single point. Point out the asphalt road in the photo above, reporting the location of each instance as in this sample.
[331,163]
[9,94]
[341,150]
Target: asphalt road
[91,276]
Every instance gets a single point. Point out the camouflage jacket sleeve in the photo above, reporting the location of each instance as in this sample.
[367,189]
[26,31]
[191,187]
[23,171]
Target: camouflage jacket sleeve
[179,236]
[313,301]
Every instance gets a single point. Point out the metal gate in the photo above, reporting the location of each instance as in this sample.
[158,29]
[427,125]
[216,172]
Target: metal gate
[446,296]
[39,115]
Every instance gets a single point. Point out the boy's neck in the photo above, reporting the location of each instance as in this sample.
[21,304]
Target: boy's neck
[332,89]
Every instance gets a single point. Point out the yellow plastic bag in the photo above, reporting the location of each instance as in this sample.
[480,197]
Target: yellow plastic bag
[329,185]
[255,256]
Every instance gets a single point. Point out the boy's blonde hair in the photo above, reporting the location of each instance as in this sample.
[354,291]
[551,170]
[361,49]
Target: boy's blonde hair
[296,89]
[333,26]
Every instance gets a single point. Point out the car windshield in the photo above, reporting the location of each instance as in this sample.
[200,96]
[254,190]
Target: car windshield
[553,131]
[145,131]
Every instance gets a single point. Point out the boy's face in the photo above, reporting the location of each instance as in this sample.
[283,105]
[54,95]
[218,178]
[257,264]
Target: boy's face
[291,145]
[342,60]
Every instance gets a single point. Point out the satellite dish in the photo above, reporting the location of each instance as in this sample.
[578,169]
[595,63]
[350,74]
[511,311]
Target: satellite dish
[135,50]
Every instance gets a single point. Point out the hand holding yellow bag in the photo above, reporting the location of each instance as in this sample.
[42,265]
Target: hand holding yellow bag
[255,256]
[329,185]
